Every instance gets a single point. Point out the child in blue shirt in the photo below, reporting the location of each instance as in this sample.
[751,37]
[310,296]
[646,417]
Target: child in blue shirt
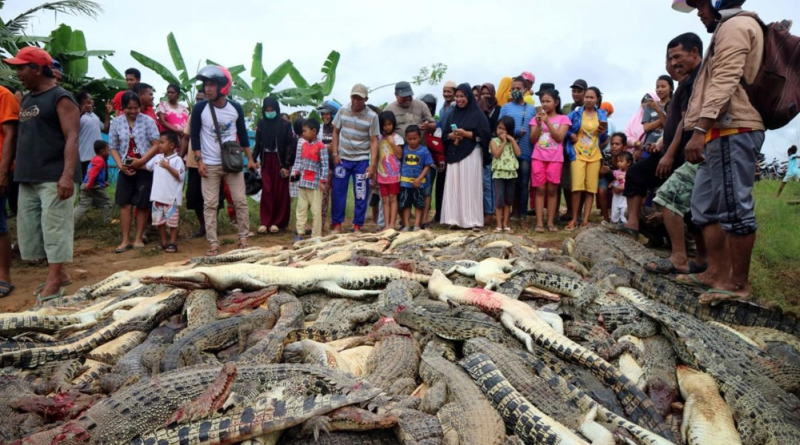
[792,169]
[416,163]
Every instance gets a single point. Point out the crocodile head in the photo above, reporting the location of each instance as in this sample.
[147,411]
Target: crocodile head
[190,279]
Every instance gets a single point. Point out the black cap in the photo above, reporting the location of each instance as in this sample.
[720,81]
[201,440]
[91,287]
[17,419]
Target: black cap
[580,83]
[544,87]
[403,89]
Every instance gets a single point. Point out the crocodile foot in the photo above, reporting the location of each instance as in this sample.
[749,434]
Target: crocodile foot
[71,430]
[212,399]
[314,425]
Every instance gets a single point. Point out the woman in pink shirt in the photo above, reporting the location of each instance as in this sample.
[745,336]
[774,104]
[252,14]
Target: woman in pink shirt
[173,115]
[548,130]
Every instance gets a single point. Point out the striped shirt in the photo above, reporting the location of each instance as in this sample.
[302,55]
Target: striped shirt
[355,131]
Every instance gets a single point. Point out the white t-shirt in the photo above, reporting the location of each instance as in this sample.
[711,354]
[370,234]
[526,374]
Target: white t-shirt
[90,130]
[166,189]
[209,146]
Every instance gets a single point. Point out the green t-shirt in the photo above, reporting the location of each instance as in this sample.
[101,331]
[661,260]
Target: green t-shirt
[504,167]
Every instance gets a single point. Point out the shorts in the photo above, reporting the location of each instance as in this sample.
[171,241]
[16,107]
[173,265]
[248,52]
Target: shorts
[723,188]
[792,176]
[45,223]
[411,197]
[585,175]
[543,172]
[165,214]
[3,215]
[134,190]
[504,191]
[676,192]
[389,189]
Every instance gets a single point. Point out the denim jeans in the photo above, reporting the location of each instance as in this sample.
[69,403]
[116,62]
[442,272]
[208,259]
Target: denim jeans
[523,188]
[488,190]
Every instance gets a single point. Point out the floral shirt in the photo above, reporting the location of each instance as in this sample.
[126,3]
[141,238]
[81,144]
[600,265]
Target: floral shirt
[504,167]
[177,117]
[140,138]
[588,146]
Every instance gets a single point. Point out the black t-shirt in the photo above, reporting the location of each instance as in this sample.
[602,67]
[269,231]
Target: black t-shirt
[40,140]
[679,105]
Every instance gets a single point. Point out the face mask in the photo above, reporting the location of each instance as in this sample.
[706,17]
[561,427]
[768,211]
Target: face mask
[516,95]
[270,114]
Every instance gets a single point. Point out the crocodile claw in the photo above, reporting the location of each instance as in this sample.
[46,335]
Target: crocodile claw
[316,424]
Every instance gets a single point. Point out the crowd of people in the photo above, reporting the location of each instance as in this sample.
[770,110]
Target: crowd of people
[487,156]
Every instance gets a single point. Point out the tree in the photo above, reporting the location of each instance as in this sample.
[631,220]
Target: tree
[432,75]
[12,32]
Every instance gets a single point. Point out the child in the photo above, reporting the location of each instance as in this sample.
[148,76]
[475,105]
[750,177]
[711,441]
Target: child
[93,189]
[617,144]
[619,204]
[792,170]
[548,131]
[312,172]
[504,149]
[390,150]
[168,173]
[417,161]
[436,148]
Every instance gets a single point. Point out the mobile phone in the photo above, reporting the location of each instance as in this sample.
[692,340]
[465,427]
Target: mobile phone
[453,127]
[648,97]
[127,162]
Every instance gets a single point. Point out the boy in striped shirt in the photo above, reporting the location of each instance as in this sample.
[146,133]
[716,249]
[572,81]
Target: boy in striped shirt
[311,170]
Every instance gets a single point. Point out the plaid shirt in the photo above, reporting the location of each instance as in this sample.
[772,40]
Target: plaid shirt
[311,164]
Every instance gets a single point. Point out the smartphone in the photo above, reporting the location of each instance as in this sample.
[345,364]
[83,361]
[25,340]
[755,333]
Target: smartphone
[454,127]
[648,97]
[127,162]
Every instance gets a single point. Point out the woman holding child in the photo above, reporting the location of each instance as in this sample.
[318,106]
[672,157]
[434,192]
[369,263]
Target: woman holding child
[466,134]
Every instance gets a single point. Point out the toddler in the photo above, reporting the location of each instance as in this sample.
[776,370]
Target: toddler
[168,174]
[619,204]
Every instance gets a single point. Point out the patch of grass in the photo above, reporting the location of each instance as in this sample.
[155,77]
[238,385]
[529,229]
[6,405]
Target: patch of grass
[775,272]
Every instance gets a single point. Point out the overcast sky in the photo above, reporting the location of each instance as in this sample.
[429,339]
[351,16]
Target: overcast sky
[619,46]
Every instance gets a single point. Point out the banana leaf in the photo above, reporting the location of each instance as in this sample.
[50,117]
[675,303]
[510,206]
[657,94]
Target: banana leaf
[177,59]
[82,54]
[113,72]
[257,71]
[279,74]
[297,78]
[236,70]
[329,70]
[157,67]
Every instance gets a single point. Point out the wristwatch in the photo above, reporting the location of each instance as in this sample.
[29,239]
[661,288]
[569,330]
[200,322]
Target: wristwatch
[197,158]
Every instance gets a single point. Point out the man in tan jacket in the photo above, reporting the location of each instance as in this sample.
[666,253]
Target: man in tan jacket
[728,135]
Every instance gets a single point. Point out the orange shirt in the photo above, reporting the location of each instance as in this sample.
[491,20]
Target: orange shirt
[9,112]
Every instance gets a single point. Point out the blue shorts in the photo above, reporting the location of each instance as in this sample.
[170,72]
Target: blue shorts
[411,197]
[3,215]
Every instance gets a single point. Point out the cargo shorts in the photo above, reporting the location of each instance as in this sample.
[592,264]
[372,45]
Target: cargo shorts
[676,192]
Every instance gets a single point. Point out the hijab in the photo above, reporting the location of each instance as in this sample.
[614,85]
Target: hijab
[503,91]
[487,105]
[635,129]
[272,130]
[469,118]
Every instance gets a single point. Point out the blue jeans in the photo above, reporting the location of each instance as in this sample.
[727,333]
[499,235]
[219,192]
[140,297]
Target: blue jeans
[341,183]
[488,190]
[523,188]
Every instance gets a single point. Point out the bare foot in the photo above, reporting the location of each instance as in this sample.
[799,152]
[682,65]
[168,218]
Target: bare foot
[715,296]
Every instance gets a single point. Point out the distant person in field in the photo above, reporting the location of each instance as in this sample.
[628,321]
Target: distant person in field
[95,182]
[792,170]
[91,129]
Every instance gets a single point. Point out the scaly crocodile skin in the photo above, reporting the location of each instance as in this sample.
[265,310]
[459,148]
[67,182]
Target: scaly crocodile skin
[707,420]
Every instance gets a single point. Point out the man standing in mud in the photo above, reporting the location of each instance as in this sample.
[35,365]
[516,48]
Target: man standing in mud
[355,144]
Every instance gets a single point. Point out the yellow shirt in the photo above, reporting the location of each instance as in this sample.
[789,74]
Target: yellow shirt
[588,146]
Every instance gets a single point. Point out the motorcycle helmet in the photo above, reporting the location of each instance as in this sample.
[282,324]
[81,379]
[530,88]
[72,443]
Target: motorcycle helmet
[718,5]
[252,183]
[329,106]
[429,100]
[219,74]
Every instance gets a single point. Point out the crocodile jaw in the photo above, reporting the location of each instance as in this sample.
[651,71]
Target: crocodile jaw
[189,280]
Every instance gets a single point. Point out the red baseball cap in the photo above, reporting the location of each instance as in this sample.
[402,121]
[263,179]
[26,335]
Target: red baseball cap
[30,54]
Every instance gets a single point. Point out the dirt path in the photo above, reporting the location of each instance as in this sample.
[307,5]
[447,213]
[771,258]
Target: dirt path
[92,264]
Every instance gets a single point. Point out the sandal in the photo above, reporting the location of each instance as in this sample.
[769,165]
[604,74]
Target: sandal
[620,229]
[171,248]
[262,230]
[38,288]
[40,299]
[274,229]
[498,230]
[691,279]
[539,229]
[571,226]
[552,229]
[123,249]
[213,250]
[243,243]
[662,266]
[159,246]
[6,288]
[715,296]
[508,230]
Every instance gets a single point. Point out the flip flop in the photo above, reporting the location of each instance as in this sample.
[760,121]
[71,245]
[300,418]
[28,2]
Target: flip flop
[692,281]
[41,299]
[620,229]
[708,297]
[663,266]
[694,268]
[123,249]
[539,229]
[41,286]
[5,289]
[552,229]
[171,248]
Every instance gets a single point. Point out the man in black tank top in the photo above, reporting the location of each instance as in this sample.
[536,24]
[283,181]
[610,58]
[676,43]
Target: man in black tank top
[47,168]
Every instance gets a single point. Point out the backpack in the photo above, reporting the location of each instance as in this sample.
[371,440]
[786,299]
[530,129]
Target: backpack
[775,92]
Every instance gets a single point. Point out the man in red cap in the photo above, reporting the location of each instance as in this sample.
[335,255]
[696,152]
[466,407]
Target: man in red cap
[47,168]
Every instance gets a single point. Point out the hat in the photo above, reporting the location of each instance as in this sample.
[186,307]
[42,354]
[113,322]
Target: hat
[608,107]
[527,75]
[30,54]
[580,83]
[403,89]
[359,90]
[450,84]
[544,87]
[56,65]
[682,6]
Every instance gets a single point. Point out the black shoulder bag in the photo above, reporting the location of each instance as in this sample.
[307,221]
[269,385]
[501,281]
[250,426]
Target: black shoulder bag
[231,153]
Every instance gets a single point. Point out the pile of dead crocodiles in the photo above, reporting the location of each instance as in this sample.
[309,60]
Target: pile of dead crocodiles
[401,338]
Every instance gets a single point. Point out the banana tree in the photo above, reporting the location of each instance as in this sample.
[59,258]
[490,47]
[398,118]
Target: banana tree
[68,46]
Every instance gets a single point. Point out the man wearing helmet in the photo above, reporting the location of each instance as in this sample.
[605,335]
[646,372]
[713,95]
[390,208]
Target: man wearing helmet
[727,136]
[230,118]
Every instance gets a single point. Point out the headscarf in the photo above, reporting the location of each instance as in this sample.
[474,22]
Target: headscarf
[503,91]
[635,129]
[275,134]
[469,118]
[487,105]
